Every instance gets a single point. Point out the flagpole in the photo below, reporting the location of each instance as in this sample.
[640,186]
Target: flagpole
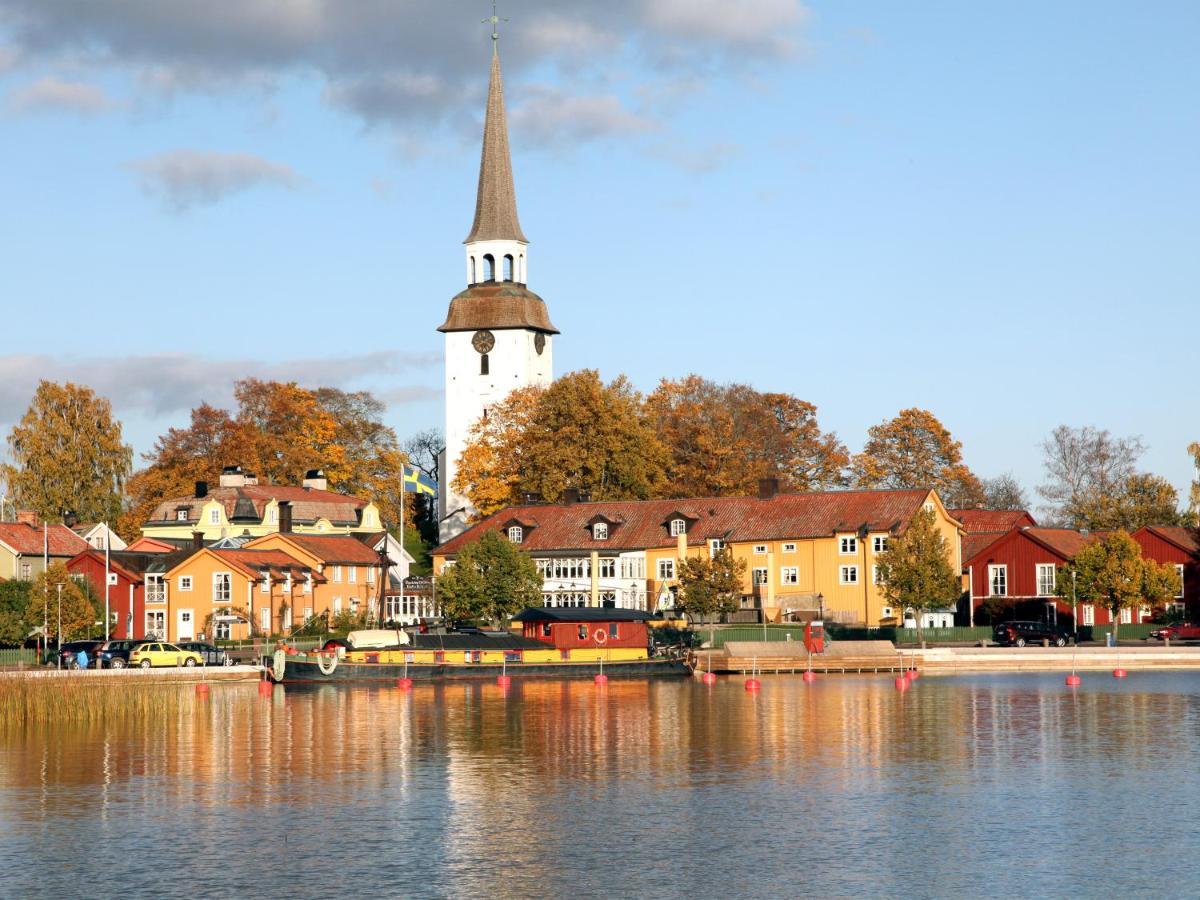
[106,587]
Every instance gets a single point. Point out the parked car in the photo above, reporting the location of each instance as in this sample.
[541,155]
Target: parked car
[115,654]
[163,654]
[69,653]
[1018,634]
[1183,631]
[212,656]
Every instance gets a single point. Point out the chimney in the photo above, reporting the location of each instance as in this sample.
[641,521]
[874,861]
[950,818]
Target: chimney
[70,519]
[285,517]
[251,479]
[531,498]
[202,488]
[315,479]
[767,488]
[570,496]
[28,517]
[197,540]
[585,496]
[233,476]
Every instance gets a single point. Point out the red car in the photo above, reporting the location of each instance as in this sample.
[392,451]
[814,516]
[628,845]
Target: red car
[1184,631]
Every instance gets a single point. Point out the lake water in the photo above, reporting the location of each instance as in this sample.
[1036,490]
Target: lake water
[976,786]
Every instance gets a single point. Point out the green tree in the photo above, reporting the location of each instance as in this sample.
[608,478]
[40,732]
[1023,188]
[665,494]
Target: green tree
[14,605]
[491,579]
[1111,571]
[710,586]
[915,570]
[68,455]
[1141,499]
[1004,492]
[79,615]
[915,450]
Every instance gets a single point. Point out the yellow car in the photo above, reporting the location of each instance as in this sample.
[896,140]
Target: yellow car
[160,654]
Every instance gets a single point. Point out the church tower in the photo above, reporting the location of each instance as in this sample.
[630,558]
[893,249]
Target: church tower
[498,333]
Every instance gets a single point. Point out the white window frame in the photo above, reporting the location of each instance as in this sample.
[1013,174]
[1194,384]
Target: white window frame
[1179,569]
[879,543]
[848,574]
[273,516]
[516,534]
[264,586]
[185,583]
[337,574]
[227,578]
[1127,615]
[760,549]
[214,517]
[308,582]
[1039,578]
[993,571]
[848,545]
[608,567]
[789,548]
[1087,614]
[600,531]
[666,569]
[26,571]
[875,579]
[370,574]
[352,574]
[161,582]
[678,527]
[287,582]
[715,546]
[789,574]
[759,576]
[181,515]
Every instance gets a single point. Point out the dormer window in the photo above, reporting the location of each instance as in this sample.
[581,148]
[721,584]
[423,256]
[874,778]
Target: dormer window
[516,533]
[181,514]
[600,531]
[678,527]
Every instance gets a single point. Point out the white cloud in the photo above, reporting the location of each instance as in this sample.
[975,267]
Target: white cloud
[764,24]
[552,118]
[52,94]
[187,178]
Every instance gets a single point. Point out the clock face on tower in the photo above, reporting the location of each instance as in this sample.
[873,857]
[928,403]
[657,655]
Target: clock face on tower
[483,341]
[539,343]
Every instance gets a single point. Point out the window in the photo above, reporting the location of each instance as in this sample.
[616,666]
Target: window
[759,577]
[666,569]
[337,606]
[181,515]
[287,583]
[489,267]
[886,612]
[608,567]
[273,517]
[352,571]
[222,587]
[789,575]
[156,589]
[1088,614]
[848,546]
[484,369]
[222,630]
[789,548]
[156,624]
[928,506]
[516,534]
[370,574]
[848,575]
[337,574]
[214,517]
[185,582]
[264,618]
[1179,572]
[998,580]
[613,630]
[678,527]
[308,582]
[26,571]
[633,567]
[264,586]
[879,543]
[1045,579]
[1127,616]
[760,548]
[600,531]
[715,546]
[875,578]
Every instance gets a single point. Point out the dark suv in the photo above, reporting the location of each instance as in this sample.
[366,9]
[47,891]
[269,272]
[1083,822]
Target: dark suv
[1018,634]
[114,654]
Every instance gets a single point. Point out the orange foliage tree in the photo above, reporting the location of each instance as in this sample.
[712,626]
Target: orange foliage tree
[915,450]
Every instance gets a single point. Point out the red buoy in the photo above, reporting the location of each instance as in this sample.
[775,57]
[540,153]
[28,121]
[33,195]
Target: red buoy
[1074,680]
[1119,673]
[753,684]
[902,683]
[601,679]
[202,689]
[504,680]
[708,678]
[809,675]
[265,687]
[405,684]
[912,675]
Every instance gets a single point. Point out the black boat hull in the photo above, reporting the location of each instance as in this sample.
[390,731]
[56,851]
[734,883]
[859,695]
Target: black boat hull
[301,671]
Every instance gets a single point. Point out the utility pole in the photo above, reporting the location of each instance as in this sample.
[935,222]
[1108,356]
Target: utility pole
[58,584]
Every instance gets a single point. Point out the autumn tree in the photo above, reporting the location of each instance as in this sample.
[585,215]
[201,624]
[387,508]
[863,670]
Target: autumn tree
[492,579]
[723,438]
[79,616]
[710,585]
[1111,571]
[14,607]
[1004,492]
[1086,469]
[68,455]
[915,571]
[1194,493]
[915,450]
[292,431]
[577,433]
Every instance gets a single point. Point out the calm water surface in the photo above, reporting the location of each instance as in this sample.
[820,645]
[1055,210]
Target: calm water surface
[969,786]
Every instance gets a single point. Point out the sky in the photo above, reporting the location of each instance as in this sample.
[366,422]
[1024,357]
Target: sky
[988,210]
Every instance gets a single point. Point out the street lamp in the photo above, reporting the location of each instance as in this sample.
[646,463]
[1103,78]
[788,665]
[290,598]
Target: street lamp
[59,585]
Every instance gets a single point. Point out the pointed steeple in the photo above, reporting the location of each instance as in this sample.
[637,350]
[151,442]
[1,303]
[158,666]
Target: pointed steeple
[496,200]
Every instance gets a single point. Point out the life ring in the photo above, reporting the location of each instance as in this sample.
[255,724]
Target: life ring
[600,637]
[332,657]
[279,665]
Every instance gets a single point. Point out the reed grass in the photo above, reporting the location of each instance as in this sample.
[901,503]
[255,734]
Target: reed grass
[32,700]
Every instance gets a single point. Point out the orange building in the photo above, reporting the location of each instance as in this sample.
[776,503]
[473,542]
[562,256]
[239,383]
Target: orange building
[350,573]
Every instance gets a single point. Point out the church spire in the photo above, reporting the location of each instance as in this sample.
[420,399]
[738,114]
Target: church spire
[496,200]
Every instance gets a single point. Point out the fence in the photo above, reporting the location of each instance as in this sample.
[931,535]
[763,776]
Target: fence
[17,655]
[722,634]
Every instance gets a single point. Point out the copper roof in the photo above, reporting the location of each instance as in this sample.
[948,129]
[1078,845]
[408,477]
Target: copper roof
[496,199]
[308,504]
[27,539]
[497,304]
[643,523]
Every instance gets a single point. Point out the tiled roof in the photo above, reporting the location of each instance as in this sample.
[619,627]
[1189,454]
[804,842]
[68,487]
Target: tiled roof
[1066,542]
[974,544]
[308,504]
[335,548]
[152,545]
[496,199]
[642,524]
[998,521]
[1183,538]
[27,540]
[256,560]
[497,304]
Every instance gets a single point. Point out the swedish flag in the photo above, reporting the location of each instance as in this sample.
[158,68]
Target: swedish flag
[417,482]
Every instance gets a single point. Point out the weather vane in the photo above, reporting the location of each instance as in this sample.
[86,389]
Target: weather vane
[495,20]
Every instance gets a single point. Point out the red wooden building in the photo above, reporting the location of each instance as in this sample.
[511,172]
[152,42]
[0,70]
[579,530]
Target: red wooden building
[126,589]
[1181,548]
[570,628]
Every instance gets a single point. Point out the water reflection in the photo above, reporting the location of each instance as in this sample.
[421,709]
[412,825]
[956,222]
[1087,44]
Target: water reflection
[963,785]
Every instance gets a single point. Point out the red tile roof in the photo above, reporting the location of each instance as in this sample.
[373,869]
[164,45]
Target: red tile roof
[257,560]
[1187,539]
[974,544]
[997,521]
[308,504]
[151,545]
[642,524]
[336,548]
[1066,542]
[27,540]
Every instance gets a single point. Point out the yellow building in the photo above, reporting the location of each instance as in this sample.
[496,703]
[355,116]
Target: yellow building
[807,555]
[350,571]
[239,506]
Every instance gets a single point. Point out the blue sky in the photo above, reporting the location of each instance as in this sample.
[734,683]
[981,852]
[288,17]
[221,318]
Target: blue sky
[990,210]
